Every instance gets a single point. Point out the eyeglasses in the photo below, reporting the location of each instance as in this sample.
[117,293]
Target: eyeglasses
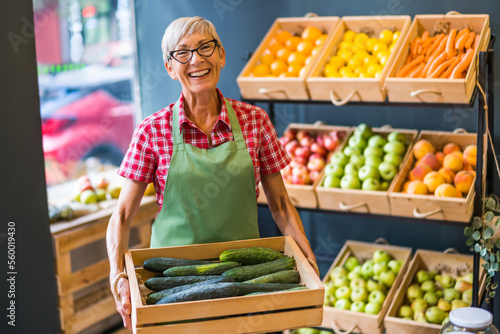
[204,50]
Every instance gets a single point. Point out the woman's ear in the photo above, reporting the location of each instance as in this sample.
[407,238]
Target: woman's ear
[170,71]
[222,56]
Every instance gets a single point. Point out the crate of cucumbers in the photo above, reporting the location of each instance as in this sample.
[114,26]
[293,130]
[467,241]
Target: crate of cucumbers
[250,286]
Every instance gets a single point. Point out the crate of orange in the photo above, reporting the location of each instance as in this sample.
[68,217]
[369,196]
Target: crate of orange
[280,64]
[356,60]
[438,60]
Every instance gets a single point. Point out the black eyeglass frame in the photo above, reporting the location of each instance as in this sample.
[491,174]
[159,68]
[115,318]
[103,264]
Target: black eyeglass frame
[171,54]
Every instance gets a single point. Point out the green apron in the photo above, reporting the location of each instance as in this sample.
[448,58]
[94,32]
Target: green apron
[209,193]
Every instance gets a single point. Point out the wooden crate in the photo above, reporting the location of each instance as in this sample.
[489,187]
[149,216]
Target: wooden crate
[244,314]
[304,196]
[430,206]
[357,322]
[375,202]
[437,90]
[451,263]
[85,298]
[342,90]
[281,88]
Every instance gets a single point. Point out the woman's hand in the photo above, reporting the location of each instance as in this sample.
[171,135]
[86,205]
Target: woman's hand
[313,264]
[122,301]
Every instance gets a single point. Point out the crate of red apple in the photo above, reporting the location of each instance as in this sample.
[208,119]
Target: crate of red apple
[310,146]
[437,180]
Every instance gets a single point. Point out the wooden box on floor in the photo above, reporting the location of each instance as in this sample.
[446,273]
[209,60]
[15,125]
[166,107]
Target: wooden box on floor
[356,322]
[365,201]
[437,90]
[82,267]
[430,206]
[304,196]
[278,88]
[343,90]
[452,264]
[244,314]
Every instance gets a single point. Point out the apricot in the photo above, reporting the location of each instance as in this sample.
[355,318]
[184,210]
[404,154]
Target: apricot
[451,147]
[433,180]
[453,161]
[446,190]
[419,171]
[469,155]
[430,160]
[417,187]
[422,147]
[447,174]
[405,186]
[464,181]
[440,157]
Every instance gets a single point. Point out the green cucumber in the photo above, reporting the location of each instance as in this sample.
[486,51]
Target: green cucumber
[283,276]
[160,264]
[246,288]
[265,292]
[201,269]
[201,292]
[251,255]
[162,283]
[245,273]
[154,297]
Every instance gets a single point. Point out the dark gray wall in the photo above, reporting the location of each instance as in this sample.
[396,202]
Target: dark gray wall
[23,199]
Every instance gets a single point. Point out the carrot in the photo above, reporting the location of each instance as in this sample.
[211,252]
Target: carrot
[416,71]
[460,33]
[425,35]
[470,40]
[427,65]
[460,41]
[414,47]
[446,74]
[436,62]
[436,43]
[440,69]
[476,42]
[441,47]
[450,43]
[405,69]
[463,64]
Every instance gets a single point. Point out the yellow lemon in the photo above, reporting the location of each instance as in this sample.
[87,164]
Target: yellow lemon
[373,68]
[383,59]
[378,74]
[345,71]
[361,38]
[354,63]
[260,70]
[346,45]
[392,46]
[349,35]
[330,71]
[386,36]
[371,43]
[360,69]
[368,60]
[344,54]
[337,62]
[359,47]
[383,54]
[379,47]
[395,36]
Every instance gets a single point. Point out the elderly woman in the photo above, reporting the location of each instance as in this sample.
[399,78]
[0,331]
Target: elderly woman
[206,155]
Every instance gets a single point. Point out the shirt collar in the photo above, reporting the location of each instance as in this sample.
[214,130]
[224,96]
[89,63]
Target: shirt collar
[185,121]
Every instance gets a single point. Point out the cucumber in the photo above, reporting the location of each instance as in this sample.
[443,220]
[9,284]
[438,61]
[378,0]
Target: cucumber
[162,283]
[283,276]
[246,288]
[207,291]
[245,273]
[251,255]
[160,264]
[265,292]
[201,269]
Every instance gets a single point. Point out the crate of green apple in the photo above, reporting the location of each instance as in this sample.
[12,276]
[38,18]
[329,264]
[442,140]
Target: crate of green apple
[310,147]
[434,284]
[360,285]
[359,177]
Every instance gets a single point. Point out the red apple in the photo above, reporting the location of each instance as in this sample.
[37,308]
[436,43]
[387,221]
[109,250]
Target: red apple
[102,183]
[314,175]
[303,151]
[316,162]
[291,146]
[292,134]
[317,148]
[331,143]
[307,141]
[284,140]
[301,134]
[300,160]
[320,139]
[300,175]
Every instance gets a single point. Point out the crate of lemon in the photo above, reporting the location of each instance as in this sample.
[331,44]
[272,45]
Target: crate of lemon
[278,68]
[355,62]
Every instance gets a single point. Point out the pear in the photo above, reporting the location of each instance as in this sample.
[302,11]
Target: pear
[405,311]
[414,291]
[428,285]
[431,298]
[467,296]
[422,276]
[446,281]
[444,305]
[468,278]
[432,274]
[435,315]
[420,317]
[458,303]
[419,305]
[450,294]
[461,285]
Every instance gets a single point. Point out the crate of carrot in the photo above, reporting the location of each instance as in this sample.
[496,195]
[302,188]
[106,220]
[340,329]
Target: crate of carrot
[438,60]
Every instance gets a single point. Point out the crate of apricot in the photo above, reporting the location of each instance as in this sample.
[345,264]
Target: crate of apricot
[437,180]
[355,62]
[438,59]
[280,64]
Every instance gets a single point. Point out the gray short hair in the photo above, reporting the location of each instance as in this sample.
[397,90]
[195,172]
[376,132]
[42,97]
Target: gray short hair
[185,26]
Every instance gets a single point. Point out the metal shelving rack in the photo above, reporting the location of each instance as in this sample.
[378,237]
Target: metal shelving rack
[485,119]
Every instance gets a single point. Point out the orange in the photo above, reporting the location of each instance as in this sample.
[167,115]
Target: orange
[303,71]
[305,47]
[261,70]
[278,67]
[292,42]
[297,57]
[275,47]
[309,60]
[267,58]
[282,36]
[284,75]
[311,33]
[316,50]
[294,69]
[283,54]
[321,40]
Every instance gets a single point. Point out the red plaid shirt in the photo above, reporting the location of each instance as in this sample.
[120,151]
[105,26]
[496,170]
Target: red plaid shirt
[149,154]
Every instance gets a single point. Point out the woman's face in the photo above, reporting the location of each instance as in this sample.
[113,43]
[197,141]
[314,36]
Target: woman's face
[200,74]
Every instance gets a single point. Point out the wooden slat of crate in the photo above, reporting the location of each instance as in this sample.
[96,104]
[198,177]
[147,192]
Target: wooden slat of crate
[362,322]
[437,90]
[281,88]
[444,208]
[238,307]
[70,236]
[359,89]
[376,202]
[425,260]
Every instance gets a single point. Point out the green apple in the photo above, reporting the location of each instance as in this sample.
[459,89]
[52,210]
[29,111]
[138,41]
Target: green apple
[467,296]
[358,160]
[419,305]
[376,296]
[350,182]
[343,304]
[306,330]
[88,197]
[373,150]
[377,141]
[330,288]
[372,285]
[396,147]
[387,170]
[431,298]
[357,283]
[380,255]
[339,158]
[367,269]
[387,277]
[373,160]
[422,276]
[395,265]
[364,131]
[334,169]
[355,273]
[359,295]
[329,300]
[435,315]
[393,158]
[331,181]
[396,136]
[405,311]
[368,172]
[429,285]
[384,185]
[358,306]
[379,267]
[358,142]
[370,184]
[351,262]
[450,294]
[351,169]
[351,151]
[341,281]
[373,308]
[343,292]
[337,272]
[413,292]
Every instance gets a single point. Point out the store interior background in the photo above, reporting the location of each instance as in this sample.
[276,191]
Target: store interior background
[241,26]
